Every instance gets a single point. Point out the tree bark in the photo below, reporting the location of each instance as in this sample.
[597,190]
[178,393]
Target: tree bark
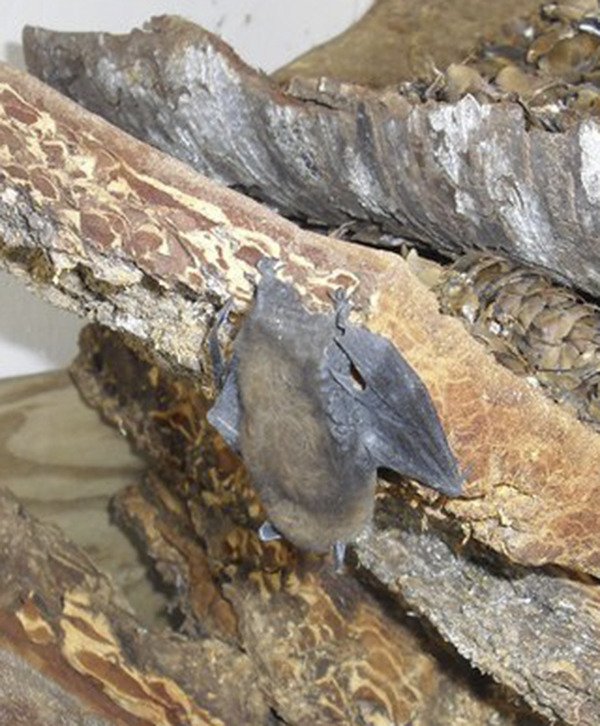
[80,650]
[451,176]
[120,233]
[507,621]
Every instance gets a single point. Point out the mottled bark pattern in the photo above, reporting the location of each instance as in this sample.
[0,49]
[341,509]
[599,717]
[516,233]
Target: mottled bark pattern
[535,470]
[66,619]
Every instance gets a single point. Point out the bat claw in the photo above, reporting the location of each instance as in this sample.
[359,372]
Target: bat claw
[343,306]
[267,532]
[268,266]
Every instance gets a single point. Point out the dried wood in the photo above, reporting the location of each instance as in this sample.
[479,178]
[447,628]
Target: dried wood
[122,234]
[84,657]
[399,41]
[329,649]
[534,630]
[454,176]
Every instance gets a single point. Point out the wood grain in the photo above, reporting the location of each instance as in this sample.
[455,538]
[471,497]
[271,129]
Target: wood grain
[65,465]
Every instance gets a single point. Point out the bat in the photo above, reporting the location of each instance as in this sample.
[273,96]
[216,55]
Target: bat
[314,406]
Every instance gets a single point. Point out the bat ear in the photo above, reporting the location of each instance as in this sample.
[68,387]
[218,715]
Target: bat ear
[403,431]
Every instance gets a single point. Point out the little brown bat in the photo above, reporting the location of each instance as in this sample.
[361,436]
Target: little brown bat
[315,406]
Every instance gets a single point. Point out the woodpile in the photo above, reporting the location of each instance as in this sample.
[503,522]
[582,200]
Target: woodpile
[476,610]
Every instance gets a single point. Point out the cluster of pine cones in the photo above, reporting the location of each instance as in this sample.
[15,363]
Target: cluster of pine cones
[549,62]
[533,326]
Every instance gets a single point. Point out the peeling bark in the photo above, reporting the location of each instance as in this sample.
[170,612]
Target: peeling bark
[124,235]
[63,618]
[451,176]
[535,630]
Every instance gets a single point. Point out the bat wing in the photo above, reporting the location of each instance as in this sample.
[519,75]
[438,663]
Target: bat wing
[403,431]
[226,414]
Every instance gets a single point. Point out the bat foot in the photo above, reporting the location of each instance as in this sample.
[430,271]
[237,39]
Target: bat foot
[267,532]
[339,554]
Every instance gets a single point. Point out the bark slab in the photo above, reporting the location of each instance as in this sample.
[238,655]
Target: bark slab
[534,630]
[452,176]
[124,235]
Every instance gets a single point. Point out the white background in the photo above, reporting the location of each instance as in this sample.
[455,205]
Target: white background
[266,33]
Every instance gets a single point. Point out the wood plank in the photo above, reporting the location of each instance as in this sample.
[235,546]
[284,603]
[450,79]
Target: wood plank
[65,465]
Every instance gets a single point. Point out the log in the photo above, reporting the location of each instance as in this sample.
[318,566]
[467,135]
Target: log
[534,630]
[122,234]
[451,176]
[70,633]
[197,517]
[70,463]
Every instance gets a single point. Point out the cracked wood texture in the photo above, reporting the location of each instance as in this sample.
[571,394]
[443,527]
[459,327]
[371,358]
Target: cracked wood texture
[452,176]
[118,232]
[331,650]
[535,630]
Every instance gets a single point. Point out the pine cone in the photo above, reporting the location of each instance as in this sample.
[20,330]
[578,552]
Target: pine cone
[533,326]
[549,61]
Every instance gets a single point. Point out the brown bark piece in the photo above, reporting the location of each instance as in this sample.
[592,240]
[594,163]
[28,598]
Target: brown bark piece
[325,650]
[116,231]
[453,176]
[400,40]
[533,630]
[64,617]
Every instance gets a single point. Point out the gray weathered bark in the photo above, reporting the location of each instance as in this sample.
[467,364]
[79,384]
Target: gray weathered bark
[452,176]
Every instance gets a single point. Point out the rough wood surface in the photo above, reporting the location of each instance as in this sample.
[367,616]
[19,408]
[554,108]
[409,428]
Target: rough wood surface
[399,40]
[535,630]
[453,176]
[122,234]
[330,650]
[65,618]
[325,649]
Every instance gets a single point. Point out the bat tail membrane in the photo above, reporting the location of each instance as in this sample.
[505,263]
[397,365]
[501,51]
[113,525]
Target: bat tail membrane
[403,432]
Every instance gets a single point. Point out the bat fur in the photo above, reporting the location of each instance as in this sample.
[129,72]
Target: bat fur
[315,406]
